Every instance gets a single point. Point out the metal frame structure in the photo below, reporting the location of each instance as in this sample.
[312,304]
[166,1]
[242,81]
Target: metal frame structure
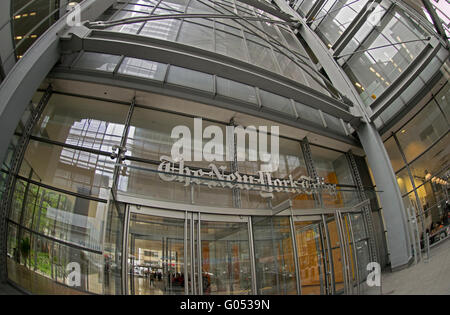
[195,215]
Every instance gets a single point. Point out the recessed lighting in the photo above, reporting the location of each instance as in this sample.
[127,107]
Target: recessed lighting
[32,13]
[357,84]
[371,69]
[403,131]
[17,17]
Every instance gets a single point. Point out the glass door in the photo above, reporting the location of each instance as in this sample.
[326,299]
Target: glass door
[156,253]
[310,251]
[180,252]
[223,259]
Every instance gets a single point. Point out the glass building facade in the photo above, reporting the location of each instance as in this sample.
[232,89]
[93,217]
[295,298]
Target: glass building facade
[82,186]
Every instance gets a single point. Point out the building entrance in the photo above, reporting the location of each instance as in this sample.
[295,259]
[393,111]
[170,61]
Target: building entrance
[316,251]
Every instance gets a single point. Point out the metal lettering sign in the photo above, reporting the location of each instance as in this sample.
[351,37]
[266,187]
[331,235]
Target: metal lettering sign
[170,171]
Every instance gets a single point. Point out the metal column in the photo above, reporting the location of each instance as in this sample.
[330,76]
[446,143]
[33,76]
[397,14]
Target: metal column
[366,210]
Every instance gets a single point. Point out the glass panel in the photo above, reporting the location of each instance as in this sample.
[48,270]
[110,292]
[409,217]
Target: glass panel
[156,255]
[132,28]
[74,170]
[143,180]
[166,29]
[236,90]
[309,249]
[335,21]
[334,168]
[443,99]
[276,103]
[95,61]
[274,259]
[82,122]
[225,258]
[190,78]
[434,161]
[229,45]
[336,253]
[261,56]
[143,68]
[424,129]
[44,272]
[404,181]
[394,154]
[375,69]
[196,35]
[71,219]
[113,249]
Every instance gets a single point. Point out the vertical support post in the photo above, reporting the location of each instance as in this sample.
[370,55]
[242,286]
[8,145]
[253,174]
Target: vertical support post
[355,254]
[295,252]
[366,210]
[199,255]
[126,225]
[185,254]
[329,268]
[252,255]
[192,253]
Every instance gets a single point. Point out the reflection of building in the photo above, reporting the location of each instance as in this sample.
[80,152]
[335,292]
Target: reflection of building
[86,116]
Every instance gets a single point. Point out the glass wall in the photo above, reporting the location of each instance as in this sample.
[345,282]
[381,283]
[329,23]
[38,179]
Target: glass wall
[63,211]
[260,40]
[419,153]
[30,19]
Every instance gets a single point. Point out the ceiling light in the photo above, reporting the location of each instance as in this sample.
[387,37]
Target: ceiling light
[357,84]
[371,69]
[428,175]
